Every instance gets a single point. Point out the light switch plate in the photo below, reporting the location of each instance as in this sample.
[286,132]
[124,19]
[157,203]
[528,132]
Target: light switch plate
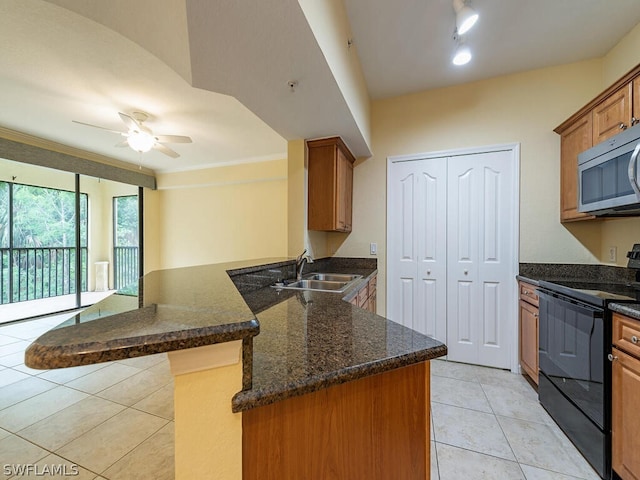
[613,254]
[373,248]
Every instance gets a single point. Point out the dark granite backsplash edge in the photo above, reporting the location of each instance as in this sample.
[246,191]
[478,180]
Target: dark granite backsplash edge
[577,271]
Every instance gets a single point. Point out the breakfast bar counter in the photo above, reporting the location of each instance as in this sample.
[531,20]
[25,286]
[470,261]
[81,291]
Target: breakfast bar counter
[283,351]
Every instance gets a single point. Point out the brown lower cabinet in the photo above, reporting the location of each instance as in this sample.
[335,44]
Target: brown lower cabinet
[625,394]
[528,308]
[374,428]
[367,296]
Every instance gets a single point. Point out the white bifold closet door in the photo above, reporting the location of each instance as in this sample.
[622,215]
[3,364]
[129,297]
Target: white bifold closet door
[417,249]
[451,254]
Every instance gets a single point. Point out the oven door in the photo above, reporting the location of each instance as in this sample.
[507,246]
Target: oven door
[571,351]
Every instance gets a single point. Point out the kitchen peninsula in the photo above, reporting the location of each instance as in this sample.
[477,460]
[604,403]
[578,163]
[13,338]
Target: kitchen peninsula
[268,383]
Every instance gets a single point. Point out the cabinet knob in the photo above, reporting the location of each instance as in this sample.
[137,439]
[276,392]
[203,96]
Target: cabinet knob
[428,272]
[536,315]
[634,339]
[611,358]
[526,292]
[634,120]
[622,126]
[466,272]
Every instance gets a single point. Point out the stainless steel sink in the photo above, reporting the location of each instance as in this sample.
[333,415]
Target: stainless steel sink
[321,282]
[332,277]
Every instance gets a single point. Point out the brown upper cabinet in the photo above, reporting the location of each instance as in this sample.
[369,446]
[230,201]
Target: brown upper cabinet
[611,112]
[330,185]
[613,115]
[574,140]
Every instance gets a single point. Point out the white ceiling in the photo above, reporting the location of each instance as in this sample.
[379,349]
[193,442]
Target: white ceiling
[406,46]
[94,58]
[57,66]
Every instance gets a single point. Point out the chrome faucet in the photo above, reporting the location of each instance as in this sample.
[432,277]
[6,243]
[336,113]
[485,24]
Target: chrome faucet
[300,262]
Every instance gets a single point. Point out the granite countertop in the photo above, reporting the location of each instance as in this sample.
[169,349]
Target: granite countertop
[174,309]
[532,281]
[294,342]
[535,272]
[629,309]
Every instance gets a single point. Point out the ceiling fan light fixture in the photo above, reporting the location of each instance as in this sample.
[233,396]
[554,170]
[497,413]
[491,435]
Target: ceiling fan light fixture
[466,17]
[140,141]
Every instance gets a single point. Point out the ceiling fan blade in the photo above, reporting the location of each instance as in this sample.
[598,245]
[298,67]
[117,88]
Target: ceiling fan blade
[173,139]
[166,150]
[98,126]
[123,143]
[129,121]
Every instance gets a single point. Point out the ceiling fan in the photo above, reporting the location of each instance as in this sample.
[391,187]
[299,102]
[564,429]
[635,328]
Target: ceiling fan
[140,137]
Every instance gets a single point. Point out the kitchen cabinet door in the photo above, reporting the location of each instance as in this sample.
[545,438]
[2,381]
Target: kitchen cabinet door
[330,183]
[636,102]
[625,419]
[574,140]
[344,192]
[529,340]
[373,294]
[612,115]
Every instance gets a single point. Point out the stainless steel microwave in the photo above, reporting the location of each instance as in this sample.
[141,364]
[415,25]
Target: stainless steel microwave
[608,176]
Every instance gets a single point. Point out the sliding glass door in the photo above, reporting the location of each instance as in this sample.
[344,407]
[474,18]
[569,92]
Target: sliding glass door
[66,240]
[125,241]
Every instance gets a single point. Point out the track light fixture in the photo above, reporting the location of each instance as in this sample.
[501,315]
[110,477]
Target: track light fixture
[466,17]
[462,55]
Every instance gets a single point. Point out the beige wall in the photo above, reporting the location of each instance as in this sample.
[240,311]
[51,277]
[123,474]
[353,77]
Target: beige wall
[330,25]
[621,58]
[101,219]
[522,108]
[620,233]
[217,215]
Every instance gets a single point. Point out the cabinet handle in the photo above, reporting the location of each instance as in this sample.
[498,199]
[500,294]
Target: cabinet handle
[611,358]
[634,339]
[622,126]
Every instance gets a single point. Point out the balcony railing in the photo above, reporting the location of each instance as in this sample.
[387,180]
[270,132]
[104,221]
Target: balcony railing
[125,266]
[35,273]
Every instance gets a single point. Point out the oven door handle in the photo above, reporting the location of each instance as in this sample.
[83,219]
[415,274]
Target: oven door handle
[633,167]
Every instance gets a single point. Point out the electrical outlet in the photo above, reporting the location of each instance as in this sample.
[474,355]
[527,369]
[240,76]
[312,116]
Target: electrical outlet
[613,254]
[373,248]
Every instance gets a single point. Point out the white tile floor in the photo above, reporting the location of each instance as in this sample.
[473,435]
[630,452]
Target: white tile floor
[488,424]
[110,421]
[115,420]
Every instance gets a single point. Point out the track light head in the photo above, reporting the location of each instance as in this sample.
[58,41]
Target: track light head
[466,17]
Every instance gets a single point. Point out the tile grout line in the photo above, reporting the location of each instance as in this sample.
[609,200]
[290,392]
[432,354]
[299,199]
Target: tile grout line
[134,448]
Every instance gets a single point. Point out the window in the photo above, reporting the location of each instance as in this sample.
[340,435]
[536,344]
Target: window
[38,242]
[125,241]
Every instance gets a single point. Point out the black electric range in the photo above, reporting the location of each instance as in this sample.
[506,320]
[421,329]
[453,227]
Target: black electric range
[595,293]
[575,374]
